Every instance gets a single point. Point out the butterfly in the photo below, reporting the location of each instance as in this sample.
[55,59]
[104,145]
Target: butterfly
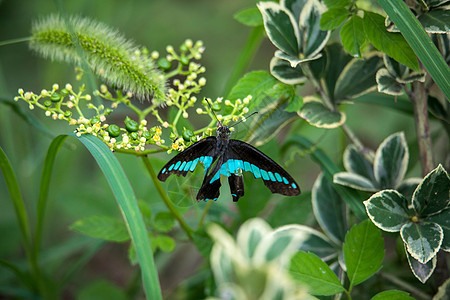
[221,155]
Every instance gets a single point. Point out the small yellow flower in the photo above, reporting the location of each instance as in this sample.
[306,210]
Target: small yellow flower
[156,137]
[158,130]
[235,118]
[175,146]
[55,86]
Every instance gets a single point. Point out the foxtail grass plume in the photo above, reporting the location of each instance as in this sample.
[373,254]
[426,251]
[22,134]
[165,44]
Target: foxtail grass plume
[111,57]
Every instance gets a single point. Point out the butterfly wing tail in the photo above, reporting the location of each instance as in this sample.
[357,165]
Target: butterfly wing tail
[236,186]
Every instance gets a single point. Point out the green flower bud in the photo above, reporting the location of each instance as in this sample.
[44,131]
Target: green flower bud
[64,92]
[147,135]
[172,136]
[94,120]
[216,106]
[55,97]
[184,60]
[164,63]
[187,134]
[134,135]
[47,103]
[108,111]
[131,125]
[67,113]
[113,130]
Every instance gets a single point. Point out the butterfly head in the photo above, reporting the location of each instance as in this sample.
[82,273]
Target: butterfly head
[223,132]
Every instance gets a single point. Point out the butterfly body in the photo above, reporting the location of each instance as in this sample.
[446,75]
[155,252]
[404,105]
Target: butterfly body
[224,156]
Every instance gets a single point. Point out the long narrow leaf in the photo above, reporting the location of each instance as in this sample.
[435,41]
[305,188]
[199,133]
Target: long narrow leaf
[126,199]
[419,41]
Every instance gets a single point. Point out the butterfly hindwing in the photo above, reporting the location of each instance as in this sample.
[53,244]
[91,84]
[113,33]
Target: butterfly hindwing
[247,158]
[236,183]
[186,161]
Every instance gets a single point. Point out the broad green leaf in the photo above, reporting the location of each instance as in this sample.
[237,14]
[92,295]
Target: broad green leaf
[146,212]
[295,104]
[102,227]
[281,69]
[329,209]
[317,243]
[420,270]
[333,18]
[353,35]
[363,252]
[388,210]
[250,17]
[316,114]
[164,242]
[337,3]
[391,161]
[127,202]
[443,220]
[164,221]
[255,83]
[312,39]
[393,44]
[281,27]
[313,272]
[423,240]
[354,181]
[387,83]
[436,21]
[433,193]
[420,42]
[358,77]
[356,162]
[203,242]
[392,295]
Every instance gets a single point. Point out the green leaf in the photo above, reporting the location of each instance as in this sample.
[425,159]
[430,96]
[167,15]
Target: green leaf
[363,252]
[317,243]
[203,242]
[337,3]
[102,227]
[387,83]
[443,220]
[354,181]
[436,21]
[420,270]
[295,104]
[353,35]
[281,27]
[391,161]
[329,209]
[164,242]
[316,114]
[388,210]
[420,42]
[393,44]
[281,69]
[356,162]
[314,273]
[164,221]
[294,61]
[392,295]
[250,17]
[433,193]
[358,77]
[333,18]
[127,202]
[311,39]
[101,289]
[423,240]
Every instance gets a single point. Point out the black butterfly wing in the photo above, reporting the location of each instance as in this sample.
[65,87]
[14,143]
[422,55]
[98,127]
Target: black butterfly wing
[203,151]
[241,155]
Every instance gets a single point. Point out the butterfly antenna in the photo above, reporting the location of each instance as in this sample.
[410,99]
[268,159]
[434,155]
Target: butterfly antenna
[214,113]
[252,114]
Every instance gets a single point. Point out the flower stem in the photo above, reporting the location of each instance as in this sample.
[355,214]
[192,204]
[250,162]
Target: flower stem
[166,199]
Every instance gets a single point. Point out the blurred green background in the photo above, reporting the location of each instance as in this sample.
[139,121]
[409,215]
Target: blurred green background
[78,189]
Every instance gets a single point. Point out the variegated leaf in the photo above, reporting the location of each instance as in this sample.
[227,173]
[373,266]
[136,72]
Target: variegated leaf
[423,240]
[433,193]
[408,186]
[281,69]
[354,181]
[388,210]
[420,270]
[281,27]
[329,209]
[387,83]
[436,21]
[316,242]
[250,236]
[293,60]
[391,161]
[316,114]
[356,162]
[312,39]
[443,219]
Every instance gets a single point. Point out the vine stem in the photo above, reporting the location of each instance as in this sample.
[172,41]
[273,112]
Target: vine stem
[418,97]
[166,199]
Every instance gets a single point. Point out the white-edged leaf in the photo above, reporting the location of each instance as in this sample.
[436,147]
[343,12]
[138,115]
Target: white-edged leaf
[391,161]
[443,291]
[295,61]
[436,21]
[354,181]
[316,242]
[329,209]
[318,115]
[356,162]
[281,27]
[433,193]
[387,83]
[408,186]
[313,272]
[423,240]
[388,210]
[420,270]
[312,39]
[443,220]
[281,69]
[251,234]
